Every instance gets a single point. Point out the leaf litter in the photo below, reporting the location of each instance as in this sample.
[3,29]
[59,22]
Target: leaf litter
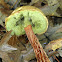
[20,47]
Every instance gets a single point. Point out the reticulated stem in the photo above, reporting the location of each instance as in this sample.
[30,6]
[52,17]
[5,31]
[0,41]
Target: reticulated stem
[38,49]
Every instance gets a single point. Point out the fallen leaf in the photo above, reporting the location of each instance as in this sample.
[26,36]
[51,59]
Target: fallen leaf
[2,2]
[27,56]
[60,51]
[50,10]
[2,28]
[1,23]
[8,44]
[5,12]
[5,38]
[55,44]
[53,33]
[59,30]
[5,57]
[4,46]
[33,1]
[13,41]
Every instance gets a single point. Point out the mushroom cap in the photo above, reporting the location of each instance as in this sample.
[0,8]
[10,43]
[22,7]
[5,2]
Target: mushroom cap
[24,16]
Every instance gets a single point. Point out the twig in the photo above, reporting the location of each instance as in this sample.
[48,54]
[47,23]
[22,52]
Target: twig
[14,4]
[52,53]
[56,58]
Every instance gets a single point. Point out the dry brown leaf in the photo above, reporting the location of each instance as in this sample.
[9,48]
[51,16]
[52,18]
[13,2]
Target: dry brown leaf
[5,57]
[2,28]
[4,46]
[5,5]
[55,44]
[15,55]
[38,4]
[33,1]
[5,11]
[1,23]
[5,38]
[23,39]
[50,10]
[59,30]
[11,56]
[13,41]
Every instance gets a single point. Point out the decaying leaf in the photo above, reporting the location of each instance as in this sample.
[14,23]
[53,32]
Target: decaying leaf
[4,46]
[50,10]
[3,15]
[52,2]
[55,44]
[5,57]
[60,51]
[13,41]
[59,30]
[52,33]
[5,38]
[60,3]
[23,39]
[1,23]
[6,12]
[33,1]
[2,28]
[2,2]
[13,3]
[27,56]
[15,55]
[7,45]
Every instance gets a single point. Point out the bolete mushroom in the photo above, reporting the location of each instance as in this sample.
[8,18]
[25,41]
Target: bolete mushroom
[24,16]
[31,20]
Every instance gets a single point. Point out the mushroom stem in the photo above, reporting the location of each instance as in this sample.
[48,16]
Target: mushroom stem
[37,47]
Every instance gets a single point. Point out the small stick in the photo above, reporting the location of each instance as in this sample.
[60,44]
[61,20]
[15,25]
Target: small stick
[56,58]
[38,49]
[14,4]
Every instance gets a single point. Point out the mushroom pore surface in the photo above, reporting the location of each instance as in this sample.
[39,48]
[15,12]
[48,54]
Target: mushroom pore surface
[20,19]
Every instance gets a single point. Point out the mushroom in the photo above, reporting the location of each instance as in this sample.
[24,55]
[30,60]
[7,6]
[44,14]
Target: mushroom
[29,20]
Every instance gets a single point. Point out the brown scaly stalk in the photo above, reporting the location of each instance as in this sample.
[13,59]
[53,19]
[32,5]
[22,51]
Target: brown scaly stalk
[38,49]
